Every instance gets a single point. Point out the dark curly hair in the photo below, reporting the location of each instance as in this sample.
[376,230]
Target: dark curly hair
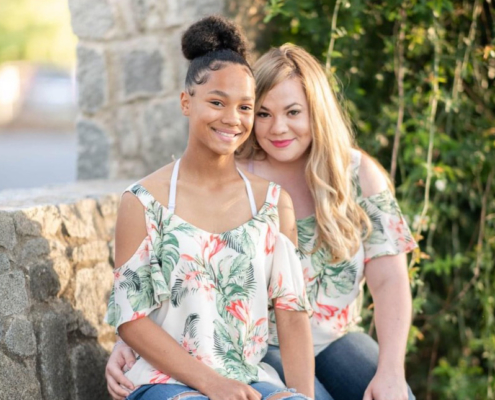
[209,44]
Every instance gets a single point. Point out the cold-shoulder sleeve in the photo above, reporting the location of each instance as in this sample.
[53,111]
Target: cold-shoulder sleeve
[286,280]
[139,287]
[390,234]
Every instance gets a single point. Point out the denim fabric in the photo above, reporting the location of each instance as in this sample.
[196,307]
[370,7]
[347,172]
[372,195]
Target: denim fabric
[343,370]
[169,391]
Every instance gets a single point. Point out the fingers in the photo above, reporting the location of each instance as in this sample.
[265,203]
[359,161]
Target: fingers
[116,375]
[129,357]
[254,394]
[367,395]
[116,391]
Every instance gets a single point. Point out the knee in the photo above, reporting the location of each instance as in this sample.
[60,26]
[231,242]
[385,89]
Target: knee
[190,396]
[287,395]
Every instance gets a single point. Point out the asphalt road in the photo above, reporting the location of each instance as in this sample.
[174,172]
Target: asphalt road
[33,159]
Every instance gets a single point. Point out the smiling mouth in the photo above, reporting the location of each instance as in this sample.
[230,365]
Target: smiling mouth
[281,143]
[226,134]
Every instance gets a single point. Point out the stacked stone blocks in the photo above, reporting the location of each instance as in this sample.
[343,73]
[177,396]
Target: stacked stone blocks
[130,75]
[56,263]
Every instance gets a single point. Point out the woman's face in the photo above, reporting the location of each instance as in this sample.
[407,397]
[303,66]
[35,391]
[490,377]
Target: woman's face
[221,112]
[282,125]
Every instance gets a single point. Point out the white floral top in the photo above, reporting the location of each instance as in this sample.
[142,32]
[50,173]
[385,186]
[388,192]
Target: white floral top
[336,290]
[210,291]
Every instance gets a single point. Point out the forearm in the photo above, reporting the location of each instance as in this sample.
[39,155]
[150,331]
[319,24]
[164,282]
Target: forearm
[162,351]
[393,308]
[296,349]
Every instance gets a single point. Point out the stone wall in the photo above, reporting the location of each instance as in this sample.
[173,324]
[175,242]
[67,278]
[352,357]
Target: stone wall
[56,258]
[130,73]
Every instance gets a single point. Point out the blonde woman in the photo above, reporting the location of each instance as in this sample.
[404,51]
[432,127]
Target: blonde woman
[350,228]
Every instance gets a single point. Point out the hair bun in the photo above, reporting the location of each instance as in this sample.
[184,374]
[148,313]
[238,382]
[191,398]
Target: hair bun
[211,34]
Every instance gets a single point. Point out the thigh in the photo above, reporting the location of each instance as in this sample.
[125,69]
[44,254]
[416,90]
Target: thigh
[346,367]
[274,359]
[164,392]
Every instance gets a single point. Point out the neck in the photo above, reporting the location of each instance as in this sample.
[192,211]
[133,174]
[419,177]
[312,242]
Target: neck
[289,170]
[199,167]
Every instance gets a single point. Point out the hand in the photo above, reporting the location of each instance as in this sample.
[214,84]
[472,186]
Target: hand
[121,359]
[230,389]
[387,386]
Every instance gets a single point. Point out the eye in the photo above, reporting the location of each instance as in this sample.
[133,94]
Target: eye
[294,112]
[246,108]
[216,103]
[262,115]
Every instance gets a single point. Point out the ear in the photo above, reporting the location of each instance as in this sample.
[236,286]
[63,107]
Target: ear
[185,103]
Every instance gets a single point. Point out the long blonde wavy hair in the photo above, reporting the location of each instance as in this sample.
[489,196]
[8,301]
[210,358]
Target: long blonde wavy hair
[340,221]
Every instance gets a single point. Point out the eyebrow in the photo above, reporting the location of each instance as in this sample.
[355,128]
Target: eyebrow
[285,108]
[225,95]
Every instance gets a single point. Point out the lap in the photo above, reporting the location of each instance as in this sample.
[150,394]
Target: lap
[347,366]
[343,370]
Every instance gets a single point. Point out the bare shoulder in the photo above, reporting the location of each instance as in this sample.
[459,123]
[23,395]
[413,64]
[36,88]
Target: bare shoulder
[158,183]
[130,230]
[373,177]
[288,225]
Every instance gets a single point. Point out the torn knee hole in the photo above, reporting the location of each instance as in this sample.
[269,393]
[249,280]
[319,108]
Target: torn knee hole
[187,395]
[281,395]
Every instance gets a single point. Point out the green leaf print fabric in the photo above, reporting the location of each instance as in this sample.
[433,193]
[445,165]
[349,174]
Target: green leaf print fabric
[335,290]
[390,234]
[210,291]
[139,287]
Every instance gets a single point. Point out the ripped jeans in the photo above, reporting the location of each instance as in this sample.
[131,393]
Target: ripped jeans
[174,392]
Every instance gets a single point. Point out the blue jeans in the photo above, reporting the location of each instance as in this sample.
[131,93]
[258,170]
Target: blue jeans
[169,391]
[343,370]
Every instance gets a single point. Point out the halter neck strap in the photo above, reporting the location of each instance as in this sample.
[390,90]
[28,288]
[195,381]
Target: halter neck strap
[173,189]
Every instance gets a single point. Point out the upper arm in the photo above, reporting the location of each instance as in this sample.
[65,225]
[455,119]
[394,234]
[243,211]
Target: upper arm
[130,230]
[373,178]
[287,217]
[391,268]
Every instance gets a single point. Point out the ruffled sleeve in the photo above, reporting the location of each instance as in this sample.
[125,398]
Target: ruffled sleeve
[390,234]
[286,280]
[139,287]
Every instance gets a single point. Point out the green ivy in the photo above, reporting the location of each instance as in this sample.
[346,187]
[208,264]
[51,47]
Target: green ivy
[444,50]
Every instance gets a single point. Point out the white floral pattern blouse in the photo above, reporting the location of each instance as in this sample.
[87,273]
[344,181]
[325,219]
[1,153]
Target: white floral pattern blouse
[336,290]
[210,292]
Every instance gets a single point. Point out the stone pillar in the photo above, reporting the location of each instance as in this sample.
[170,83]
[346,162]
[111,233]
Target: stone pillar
[130,74]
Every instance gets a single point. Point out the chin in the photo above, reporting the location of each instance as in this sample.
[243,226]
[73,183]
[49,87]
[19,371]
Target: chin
[282,156]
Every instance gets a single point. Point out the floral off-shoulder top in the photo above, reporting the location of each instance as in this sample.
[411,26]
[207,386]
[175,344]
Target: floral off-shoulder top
[336,290]
[210,292]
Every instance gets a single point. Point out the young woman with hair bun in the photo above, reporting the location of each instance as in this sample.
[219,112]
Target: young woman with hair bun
[194,279]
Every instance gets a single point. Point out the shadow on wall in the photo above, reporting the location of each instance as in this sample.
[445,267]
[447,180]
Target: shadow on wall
[55,278]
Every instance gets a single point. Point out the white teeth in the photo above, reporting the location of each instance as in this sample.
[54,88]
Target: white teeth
[228,135]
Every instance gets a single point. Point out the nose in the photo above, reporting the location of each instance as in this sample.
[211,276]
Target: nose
[231,117]
[279,126]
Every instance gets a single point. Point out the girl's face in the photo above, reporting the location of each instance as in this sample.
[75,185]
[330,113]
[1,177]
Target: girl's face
[221,112]
[282,125]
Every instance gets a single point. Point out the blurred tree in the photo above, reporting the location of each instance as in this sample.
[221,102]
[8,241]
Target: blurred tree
[417,78]
[38,31]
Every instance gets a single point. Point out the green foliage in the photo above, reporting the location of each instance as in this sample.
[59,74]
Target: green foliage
[37,31]
[445,52]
